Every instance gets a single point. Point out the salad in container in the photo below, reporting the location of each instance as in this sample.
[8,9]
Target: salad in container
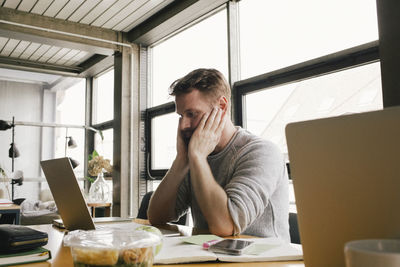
[113,247]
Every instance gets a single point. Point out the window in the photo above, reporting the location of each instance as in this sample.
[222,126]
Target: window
[172,59]
[103,113]
[204,45]
[163,146]
[348,91]
[276,34]
[305,63]
[103,97]
[105,146]
[71,110]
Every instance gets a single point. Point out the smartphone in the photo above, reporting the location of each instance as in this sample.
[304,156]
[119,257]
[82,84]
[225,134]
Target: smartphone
[230,246]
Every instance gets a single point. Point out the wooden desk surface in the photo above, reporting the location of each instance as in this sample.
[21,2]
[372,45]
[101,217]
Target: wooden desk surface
[61,256]
[9,207]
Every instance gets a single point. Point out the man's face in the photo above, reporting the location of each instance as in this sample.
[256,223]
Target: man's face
[191,107]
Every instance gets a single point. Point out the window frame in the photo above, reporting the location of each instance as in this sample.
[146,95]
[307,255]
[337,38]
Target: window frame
[105,125]
[349,58]
[169,107]
[151,113]
[345,59]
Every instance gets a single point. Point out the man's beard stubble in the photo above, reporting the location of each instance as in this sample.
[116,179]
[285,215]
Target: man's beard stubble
[186,135]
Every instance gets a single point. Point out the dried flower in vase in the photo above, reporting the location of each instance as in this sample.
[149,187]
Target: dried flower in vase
[97,163]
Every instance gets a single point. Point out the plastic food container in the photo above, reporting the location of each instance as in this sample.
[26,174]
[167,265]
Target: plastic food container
[112,247]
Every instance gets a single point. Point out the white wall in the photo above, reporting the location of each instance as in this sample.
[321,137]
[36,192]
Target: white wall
[24,101]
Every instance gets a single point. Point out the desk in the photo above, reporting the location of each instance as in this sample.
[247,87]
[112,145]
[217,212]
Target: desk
[93,207]
[61,256]
[11,209]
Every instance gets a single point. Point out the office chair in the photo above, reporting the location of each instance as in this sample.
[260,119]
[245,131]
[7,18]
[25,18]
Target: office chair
[294,228]
[144,205]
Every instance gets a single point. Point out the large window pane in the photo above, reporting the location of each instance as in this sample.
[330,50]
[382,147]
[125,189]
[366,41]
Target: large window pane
[71,110]
[163,141]
[276,34]
[103,98]
[71,104]
[105,146]
[345,92]
[203,45]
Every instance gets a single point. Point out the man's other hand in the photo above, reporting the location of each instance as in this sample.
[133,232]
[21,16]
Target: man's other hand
[208,133]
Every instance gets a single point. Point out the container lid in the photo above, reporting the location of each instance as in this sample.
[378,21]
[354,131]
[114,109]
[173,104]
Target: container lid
[111,239]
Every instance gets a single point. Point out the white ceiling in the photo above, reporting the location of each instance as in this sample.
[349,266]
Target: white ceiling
[27,76]
[113,15]
[118,15]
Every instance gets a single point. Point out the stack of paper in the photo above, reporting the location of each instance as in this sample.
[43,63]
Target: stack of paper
[178,250]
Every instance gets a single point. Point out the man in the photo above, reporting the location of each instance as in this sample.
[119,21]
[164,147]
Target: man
[233,181]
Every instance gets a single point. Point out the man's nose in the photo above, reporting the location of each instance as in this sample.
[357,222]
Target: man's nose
[185,123]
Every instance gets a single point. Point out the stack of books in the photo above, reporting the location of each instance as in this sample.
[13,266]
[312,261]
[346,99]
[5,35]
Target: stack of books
[21,244]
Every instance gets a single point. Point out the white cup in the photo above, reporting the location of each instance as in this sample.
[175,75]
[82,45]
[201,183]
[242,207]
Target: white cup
[372,253]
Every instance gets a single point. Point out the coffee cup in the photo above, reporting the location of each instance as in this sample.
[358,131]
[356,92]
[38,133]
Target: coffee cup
[372,253]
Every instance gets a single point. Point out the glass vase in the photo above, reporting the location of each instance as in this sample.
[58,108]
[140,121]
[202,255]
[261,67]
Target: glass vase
[99,191]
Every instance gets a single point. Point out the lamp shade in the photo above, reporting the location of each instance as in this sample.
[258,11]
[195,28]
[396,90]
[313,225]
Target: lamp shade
[18,177]
[74,163]
[4,125]
[13,151]
[71,142]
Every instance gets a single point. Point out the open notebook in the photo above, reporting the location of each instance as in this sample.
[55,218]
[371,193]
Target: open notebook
[176,250]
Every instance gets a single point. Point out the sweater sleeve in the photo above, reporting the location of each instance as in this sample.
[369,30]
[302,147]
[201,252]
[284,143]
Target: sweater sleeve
[183,198]
[257,171]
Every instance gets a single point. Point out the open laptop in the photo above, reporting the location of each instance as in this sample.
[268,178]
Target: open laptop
[68,196]
[346,177]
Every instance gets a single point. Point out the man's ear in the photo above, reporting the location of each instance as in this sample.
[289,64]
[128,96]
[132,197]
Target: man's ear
[223,103]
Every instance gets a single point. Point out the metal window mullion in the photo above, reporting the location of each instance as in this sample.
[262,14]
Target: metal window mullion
[89,135]
[151,113]
[233,52]
[143,87]
[348,58]
[345,59]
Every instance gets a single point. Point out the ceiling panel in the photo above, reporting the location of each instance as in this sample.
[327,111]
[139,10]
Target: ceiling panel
[11,3]
[139,15]
[39,52]
[55,7]
[97,11]
[20,48]
[68,56]
[40,6]
[9,47]
[110,12]
[69,8]
[77,59]
[29,50]
[83,10]
[60,53]
[3,41]
[123,13]
[49,54]
[26,5]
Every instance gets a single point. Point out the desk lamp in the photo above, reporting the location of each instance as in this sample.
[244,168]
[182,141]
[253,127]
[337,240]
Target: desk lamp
[70,143]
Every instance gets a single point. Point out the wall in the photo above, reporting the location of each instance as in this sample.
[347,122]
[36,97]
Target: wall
[24,101]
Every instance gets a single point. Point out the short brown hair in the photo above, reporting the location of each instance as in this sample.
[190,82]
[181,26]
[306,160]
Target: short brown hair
[208,81]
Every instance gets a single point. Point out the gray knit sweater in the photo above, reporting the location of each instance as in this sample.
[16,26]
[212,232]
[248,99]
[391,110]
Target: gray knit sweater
[253,174]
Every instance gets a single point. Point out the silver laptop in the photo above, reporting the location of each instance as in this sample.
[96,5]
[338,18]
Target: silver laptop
[346,177]
[68,196]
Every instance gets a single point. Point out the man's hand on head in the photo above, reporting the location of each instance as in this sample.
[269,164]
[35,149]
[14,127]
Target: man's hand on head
[207,134]
[181,146]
